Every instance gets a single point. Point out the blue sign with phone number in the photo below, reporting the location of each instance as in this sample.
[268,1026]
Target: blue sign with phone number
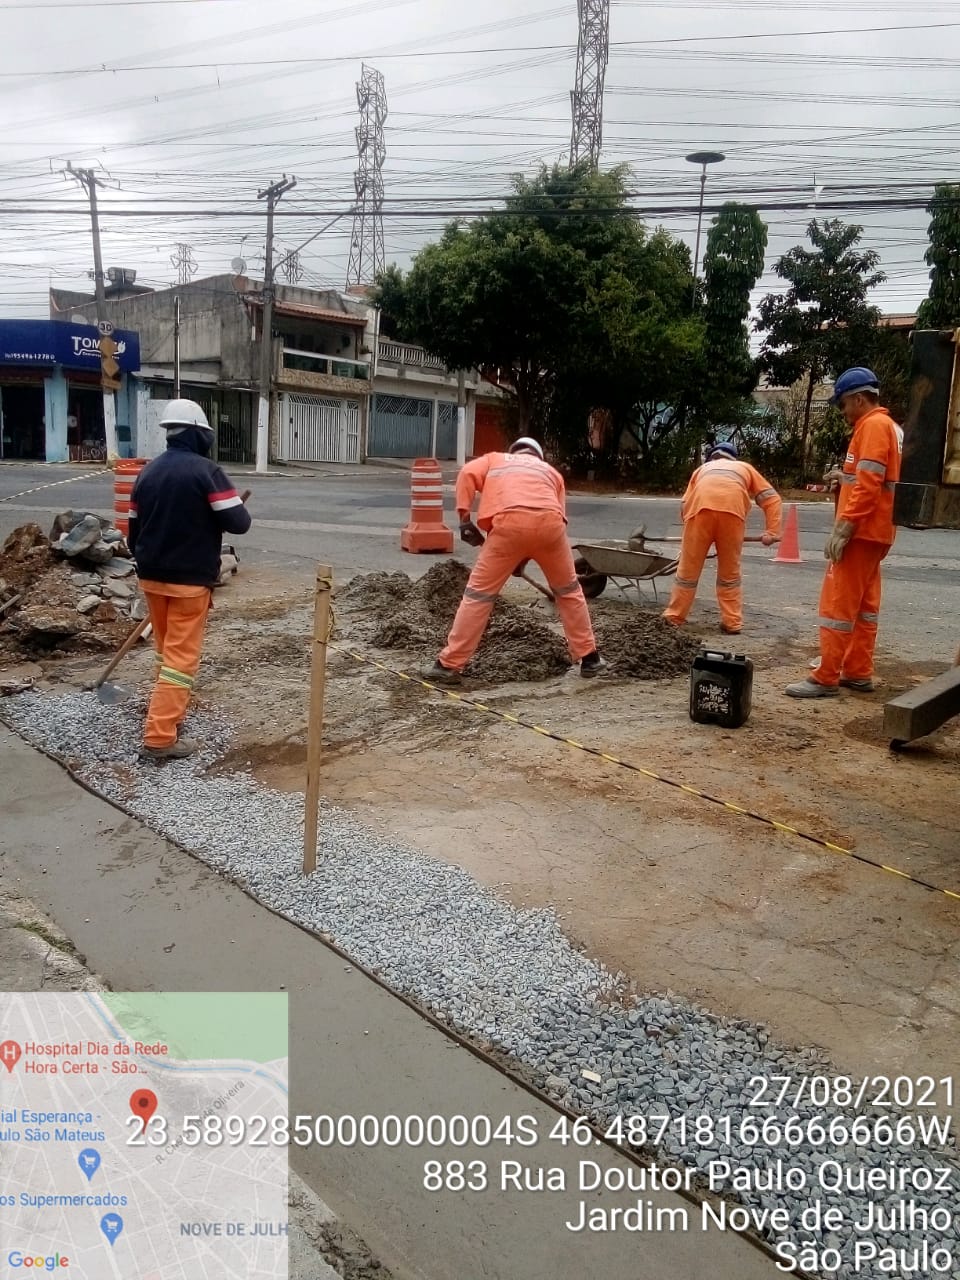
[53,342]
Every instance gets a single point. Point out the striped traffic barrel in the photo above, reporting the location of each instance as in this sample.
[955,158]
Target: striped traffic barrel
[125,472]
[426,530]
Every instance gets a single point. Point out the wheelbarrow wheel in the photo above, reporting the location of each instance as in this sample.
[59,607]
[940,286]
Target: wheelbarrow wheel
[593,583]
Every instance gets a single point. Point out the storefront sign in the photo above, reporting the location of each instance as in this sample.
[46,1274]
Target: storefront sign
[53,342]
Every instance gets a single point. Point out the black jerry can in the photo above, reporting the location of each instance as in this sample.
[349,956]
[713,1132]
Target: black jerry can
[721,689]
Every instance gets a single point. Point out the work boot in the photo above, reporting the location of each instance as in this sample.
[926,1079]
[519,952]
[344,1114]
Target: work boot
[592,665]
[178,750]
[811,689]
[729,631]
[439,674]
[865,684]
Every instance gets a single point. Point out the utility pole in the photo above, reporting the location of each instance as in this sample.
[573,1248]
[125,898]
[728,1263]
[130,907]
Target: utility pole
[272,195]
[461,418]
[176,347]
[88,180]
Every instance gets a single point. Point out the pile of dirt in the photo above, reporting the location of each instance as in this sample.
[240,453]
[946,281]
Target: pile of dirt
[645,647]
[414,617]
[51,605]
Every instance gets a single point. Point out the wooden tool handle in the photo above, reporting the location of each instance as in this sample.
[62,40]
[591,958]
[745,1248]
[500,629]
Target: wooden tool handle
[124,649]
[533,582]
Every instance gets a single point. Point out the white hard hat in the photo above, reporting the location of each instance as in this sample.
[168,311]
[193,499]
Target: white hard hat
[527,442]
[184,413]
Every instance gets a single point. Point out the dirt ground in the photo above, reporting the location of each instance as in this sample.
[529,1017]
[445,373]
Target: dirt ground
[680,894]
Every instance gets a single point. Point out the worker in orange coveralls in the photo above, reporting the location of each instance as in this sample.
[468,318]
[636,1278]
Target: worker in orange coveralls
[180,506]
[523,511]
[862,535]
[715,508]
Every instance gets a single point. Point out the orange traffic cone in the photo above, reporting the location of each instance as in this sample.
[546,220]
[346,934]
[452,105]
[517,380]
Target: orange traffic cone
[426,530]
[788,552]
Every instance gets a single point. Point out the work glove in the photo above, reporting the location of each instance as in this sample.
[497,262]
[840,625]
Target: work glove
[833,476]
[470,534]
[768,539]
[843,531]
[521,569]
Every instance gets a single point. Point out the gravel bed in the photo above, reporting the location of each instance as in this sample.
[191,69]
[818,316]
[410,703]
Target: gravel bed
[511,980]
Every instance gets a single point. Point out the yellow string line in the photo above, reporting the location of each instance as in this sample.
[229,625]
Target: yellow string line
[782,827]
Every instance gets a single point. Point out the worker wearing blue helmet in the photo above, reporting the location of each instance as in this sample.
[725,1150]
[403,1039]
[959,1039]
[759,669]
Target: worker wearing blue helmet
[862,535]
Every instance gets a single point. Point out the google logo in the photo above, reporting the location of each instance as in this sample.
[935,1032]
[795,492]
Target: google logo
[51,1263]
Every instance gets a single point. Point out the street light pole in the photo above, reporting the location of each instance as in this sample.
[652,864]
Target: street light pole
[702,158]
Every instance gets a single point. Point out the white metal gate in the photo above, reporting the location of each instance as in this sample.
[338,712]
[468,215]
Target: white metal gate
[318,429]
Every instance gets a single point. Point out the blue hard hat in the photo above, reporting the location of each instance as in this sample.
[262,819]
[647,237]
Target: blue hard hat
[727,447]
[854,380]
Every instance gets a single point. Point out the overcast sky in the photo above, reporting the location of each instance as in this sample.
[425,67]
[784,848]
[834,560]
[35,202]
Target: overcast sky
[193,104]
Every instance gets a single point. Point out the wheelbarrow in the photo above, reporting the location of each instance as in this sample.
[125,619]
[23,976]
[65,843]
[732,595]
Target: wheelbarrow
[598,563]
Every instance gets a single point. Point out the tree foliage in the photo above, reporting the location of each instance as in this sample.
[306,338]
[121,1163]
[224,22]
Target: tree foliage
[564,295]
[941,309]
[823,322]
[732,264]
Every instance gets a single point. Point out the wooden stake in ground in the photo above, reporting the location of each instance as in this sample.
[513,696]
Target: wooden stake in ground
[318,682]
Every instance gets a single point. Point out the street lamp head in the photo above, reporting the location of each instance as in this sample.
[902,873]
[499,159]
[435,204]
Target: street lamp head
[706,157]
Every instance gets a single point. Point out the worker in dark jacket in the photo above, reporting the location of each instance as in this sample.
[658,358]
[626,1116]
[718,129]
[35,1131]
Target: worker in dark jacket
[181,505]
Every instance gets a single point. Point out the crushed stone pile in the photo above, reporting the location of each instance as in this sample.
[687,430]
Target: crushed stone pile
[415,617]
[72,591]
[645,647]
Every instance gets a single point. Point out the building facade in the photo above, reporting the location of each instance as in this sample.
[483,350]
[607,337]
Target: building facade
[51,402]
[340,393]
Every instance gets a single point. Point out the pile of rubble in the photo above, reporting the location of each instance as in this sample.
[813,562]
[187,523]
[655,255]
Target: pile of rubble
[74,590]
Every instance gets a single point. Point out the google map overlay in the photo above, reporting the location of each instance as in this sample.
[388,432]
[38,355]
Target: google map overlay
[143,1136]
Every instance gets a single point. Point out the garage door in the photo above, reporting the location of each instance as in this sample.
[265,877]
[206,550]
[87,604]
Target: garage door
[318,429]
[402,427]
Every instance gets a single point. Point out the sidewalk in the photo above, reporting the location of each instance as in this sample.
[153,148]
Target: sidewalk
[35,955]
[152,918]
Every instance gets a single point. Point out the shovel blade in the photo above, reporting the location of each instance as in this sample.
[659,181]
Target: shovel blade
[110,694]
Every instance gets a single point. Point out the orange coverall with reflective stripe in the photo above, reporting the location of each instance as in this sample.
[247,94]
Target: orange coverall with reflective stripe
[523,511]
[178,615]
[850,597]
[715,508]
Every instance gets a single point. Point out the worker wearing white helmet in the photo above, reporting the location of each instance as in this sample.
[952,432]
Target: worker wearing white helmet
[523,512]
[181,505]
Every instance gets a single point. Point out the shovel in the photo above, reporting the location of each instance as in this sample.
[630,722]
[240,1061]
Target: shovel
[110,693]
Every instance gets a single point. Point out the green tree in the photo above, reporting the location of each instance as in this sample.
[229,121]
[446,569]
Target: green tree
[941,309]
[732,265]
[823,322]
[560,290]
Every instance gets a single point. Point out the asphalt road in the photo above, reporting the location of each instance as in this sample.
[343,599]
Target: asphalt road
[351,517]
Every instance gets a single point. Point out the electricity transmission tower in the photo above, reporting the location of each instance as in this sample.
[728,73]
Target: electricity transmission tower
[291,267]
[586,100]
[185,263]
[366,246]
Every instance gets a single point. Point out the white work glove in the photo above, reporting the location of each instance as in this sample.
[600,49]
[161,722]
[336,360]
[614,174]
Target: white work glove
[833,477]
[768,539]
[843,531]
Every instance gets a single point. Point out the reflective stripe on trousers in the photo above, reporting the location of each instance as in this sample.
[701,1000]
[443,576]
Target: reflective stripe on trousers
[849,613]
[179,622]
[721,529]
[517,535]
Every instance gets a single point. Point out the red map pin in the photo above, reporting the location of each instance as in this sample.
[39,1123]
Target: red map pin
[143,1103]
[10,1054]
